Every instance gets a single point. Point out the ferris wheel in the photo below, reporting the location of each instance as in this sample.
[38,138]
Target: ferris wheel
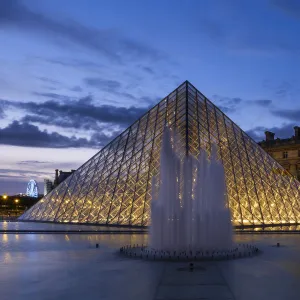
[32,189]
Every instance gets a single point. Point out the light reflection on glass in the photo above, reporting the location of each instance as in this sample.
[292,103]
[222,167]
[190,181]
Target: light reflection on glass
[257,195]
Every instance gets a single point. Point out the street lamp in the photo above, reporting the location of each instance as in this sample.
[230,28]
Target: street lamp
[4,197]
[16,200]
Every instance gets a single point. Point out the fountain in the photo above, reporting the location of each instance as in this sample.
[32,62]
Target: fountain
[189,211]
[190,217]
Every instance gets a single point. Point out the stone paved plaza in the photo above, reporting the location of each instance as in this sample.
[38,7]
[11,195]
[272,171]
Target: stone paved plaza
[59,266]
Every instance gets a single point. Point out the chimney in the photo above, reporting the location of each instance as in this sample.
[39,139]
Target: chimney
[297,132]
[269,136]
[56,177]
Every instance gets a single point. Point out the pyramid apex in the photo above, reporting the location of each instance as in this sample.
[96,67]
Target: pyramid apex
[187,82]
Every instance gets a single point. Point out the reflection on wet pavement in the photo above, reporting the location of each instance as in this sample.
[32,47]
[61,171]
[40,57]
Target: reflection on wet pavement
[62,266]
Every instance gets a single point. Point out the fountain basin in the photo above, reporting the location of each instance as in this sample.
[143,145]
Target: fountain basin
[148,253]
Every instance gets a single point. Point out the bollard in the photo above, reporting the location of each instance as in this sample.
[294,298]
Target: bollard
[278,244]
[97,245]
[191,267]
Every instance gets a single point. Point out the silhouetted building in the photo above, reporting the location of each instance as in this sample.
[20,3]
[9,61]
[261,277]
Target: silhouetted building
[285,151]
[61,176]
[48,186]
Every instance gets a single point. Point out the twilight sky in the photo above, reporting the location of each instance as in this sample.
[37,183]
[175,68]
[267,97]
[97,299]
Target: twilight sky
[76,73]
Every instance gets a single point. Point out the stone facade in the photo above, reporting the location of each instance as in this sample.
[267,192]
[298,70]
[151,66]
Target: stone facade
[285,151]
[59,178]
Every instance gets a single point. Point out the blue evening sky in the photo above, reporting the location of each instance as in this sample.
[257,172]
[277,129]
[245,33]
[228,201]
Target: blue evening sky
[75,73]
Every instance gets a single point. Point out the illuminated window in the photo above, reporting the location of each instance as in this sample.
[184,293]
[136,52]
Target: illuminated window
[285,154]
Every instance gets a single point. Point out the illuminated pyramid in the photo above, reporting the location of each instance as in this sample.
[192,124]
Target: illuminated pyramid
[114,186]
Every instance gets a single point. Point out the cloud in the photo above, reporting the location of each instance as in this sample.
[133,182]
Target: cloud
[49,80]
[52,96]
[76,88]
[21,173]
[104,138]
[114,87]
[28,135]
[225,109]
[281,93]
[79,114]
[261,102]
[2,114]
[227,104]
[289,114]
[147,69]
[149,100]
[32,162]
[285,131]
[103,84]
[109,43]
[83,110]
[63,121]
[99,123]
[283,89]
[257,133]
[74,63]
[94,67]
[228,100]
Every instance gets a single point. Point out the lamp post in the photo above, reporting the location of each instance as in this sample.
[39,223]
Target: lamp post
[4,198]
[16,201]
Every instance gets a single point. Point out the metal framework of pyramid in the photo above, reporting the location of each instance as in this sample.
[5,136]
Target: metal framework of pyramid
[114,186]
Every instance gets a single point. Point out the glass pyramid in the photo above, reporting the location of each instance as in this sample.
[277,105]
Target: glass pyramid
[114,186]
